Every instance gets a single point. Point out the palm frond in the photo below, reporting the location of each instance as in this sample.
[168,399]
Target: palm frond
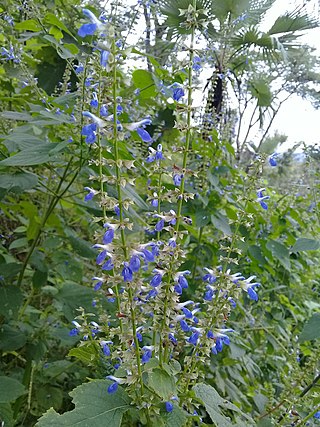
[292,22]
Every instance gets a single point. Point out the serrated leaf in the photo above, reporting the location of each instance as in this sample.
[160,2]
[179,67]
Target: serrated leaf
[11,338]
[52,19]
[94,407]
[304,244]
[6,415]
[82,247]
[87,353]
[162,383]
[215,405]
[10,389]
[311,329]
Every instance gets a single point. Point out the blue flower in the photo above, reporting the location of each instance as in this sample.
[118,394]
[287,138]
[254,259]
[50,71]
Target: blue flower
[272,160]
[89,29]
[94,102]
[148,256]
[108,265]
[184,326]
[89,131]
[178,93]
[160,224]
[127,273]
[196,63]
[108,236]
[90,195]
[79,68]
[209,293]
[261,198]
[73,332]
[103,110]
[156,280]
[147,354]
[135,263]
[317,415]
[178,289]
[177,177]
[104,58]
[106,349]
[169,406]
[113,387]
[144,135]
[210,276]
[194,338]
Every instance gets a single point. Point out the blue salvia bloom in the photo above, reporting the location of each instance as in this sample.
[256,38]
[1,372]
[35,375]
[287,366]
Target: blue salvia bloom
[219,344]
[113,387]
[144,135]
[177,179]
[184,326]
[135,263]
[178,93]
[148,256]
[261,198]
[169,406]
[105,348]
[127,273]
[147,354]
[79,68]
[160,224]
[73,332]
[196,63]
[232,302]
[108,235]
[101,257]
[317,415]
[273,160]
[210,276]
[108,265]
[252,293]
[187,312]
[99,283]
[94,102]
[104,58]
[178,288]
[209,293]
[90,29]
[90,195]
[89,131]
[103,111]
[157,278]
[194,338]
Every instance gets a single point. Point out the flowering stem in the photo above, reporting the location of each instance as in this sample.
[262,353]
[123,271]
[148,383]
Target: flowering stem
[182,185]
[120,201]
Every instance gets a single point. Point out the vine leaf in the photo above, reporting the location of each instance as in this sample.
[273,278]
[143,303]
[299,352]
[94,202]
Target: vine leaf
[215,405]
[311,329]
[94,407]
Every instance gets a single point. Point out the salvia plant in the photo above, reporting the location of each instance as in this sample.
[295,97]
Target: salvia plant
[182,243]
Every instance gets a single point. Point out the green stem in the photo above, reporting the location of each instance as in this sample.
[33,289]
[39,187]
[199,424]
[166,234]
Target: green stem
[162,358]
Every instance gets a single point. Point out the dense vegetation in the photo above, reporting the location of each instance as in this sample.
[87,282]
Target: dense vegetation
[159,261]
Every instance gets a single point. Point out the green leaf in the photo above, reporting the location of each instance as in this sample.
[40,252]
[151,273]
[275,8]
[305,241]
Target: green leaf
[11,338]
[87,353]
[162,383]
[52,19]
[18,182]
[94,407]
[48,396]
[33,156]
[311,329]
[11,299]
[15,115]
[220,221]
[28,25]
[73,296]
[215,405]
[10,389]
[280,252]
[10,270]
[82,247]
[176,418]
[6,415]
[261,91]
[143,80]
[304,244]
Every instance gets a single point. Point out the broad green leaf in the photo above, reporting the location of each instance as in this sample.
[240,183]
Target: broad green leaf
[28,25]
[15,115]
[143,80]
[18,182]
[176,418]
[11,299]
[94,407]
[215,405]
[304,244]
[311,329]
[82,247]
[280,252]
[52,19]
[220,221]
[11,338]
[48,396]
[10,389]
[261,91]
[162,383]
[10,270]
[6,415]
[32,156]
[73,296]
